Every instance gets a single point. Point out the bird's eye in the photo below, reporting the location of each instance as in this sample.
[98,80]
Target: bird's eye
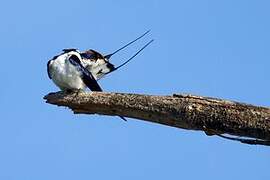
[87,55]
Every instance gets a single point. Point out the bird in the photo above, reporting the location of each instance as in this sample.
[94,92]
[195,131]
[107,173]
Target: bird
[73,70]
[68,73]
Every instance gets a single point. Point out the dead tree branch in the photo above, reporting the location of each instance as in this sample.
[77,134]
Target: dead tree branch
[214,116]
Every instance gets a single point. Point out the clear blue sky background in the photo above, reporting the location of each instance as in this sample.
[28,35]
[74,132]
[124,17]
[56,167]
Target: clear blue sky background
[210,48]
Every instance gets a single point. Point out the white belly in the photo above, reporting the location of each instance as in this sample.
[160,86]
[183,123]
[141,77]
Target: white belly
[65,75]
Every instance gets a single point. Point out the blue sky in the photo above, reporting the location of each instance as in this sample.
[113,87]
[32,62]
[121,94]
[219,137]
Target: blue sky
[209,48]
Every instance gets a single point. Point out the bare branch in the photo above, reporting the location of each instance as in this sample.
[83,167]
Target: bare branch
[214,116]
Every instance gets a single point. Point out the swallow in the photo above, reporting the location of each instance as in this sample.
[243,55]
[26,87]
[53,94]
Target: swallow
[68,73]
[73,70]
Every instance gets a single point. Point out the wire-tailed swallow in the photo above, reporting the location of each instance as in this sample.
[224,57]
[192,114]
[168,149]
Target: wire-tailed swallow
[75,70]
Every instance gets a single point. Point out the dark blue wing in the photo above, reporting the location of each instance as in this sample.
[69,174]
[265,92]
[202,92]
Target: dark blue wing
[86,76]
[48,69]
[69,50]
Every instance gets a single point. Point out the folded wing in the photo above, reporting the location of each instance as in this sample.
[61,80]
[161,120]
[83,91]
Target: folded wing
[86,76]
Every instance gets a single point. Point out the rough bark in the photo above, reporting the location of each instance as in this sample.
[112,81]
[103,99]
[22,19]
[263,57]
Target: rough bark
[214,116]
